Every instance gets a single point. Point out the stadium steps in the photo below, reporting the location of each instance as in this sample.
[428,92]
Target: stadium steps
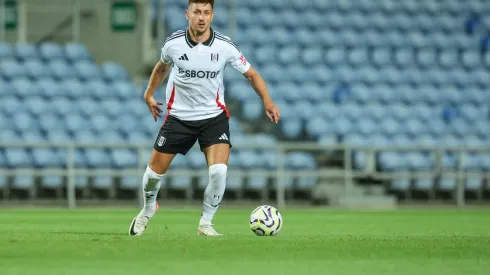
[332,193]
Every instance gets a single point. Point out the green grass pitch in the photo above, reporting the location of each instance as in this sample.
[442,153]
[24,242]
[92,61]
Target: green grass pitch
[311,242]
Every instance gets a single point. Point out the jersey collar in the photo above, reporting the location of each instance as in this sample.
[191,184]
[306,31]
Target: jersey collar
[193,43]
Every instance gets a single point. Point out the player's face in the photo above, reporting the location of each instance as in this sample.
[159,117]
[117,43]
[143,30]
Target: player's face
[199,16]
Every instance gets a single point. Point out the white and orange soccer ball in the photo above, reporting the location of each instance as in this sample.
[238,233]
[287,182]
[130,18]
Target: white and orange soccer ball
[266,220]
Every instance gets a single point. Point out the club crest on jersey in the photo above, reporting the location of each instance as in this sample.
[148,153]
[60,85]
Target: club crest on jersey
[161,140]
[214,57]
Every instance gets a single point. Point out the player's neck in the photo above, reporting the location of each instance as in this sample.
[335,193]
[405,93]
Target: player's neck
[199,37]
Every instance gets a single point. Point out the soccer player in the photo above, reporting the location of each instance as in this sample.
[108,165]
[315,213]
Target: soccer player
[196,58]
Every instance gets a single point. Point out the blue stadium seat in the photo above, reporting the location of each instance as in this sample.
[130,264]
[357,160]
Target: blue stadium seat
[26,181]
[300,160]
[18,158]
[62,106]
[52,182]
[33,135]
[130,183]
[103,182]
[391,161]
[24,87]
[75,122]
[318,126]
[423,184]
[252,109]
[292,128]
[6,89]
[470,162]
[196,159]
[24,121]
[46,158]
[36,69]
[75,52]
[87,70]
[74,88]
[36,105]
[112,71]
[249,159]
[50,88]
[5,51]
[58,135]
[474,182]
[139,137]
[61,69]
[10,105]
[98,158]
[124,158]
[51,51]
[181,183]
[304,37]
[125,89]
[49,121]
[9,135]
[101,122]
[26,52]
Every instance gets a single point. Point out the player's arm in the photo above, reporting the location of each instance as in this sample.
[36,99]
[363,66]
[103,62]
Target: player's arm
[158,75]
[258,84]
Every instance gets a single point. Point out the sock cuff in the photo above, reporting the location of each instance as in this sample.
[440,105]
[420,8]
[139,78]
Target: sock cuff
[151,174]
[218,167]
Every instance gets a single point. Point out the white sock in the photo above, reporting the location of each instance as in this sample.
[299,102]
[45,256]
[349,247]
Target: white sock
[214,192]
[151,186]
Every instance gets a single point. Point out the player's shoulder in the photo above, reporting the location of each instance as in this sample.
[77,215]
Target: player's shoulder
[175,37]
[225,40]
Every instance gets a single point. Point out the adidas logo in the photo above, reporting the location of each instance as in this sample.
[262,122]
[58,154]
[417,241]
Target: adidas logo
[223,137]
[184,57]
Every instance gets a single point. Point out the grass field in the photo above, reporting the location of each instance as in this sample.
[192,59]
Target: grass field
[311,242]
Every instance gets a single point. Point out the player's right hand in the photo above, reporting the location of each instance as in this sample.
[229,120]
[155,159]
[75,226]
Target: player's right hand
[153,105]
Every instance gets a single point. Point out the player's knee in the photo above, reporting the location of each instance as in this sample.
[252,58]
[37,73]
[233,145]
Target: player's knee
[217,173]
[159,162]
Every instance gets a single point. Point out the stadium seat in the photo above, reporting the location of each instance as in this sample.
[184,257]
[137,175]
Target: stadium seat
[51,51]
[75,52]
[5,51]
[112,71]
[26,52]
[86,70]
[18,158]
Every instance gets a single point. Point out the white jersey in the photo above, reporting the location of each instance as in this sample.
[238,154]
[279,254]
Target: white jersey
[195,89]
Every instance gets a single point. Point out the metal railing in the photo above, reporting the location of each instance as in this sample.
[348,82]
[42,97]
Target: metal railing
[347,173]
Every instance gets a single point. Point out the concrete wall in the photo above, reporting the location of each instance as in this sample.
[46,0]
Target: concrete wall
[95,32]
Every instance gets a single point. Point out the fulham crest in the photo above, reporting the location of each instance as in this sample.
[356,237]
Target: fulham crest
[214,57]
[161,141]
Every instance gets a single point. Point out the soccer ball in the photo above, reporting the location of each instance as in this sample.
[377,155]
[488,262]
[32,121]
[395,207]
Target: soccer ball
[265,220]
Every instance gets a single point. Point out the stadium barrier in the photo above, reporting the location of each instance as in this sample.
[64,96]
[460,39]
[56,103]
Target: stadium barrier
[347,173]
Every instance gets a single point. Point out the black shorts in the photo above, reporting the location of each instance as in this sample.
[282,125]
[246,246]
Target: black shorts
[178,136]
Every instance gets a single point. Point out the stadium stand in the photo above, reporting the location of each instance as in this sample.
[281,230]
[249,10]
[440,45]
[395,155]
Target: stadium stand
[358,72]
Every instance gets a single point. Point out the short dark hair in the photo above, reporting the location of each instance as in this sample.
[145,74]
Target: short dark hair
[211,2]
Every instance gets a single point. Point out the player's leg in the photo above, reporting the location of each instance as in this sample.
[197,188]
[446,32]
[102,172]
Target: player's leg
[215,143]
[174,137]
[151,182]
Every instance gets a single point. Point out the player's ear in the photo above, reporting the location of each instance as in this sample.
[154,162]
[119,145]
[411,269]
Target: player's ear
[187,14]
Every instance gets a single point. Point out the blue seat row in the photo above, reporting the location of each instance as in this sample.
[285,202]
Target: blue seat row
[128,158]
[74,89]
[58,69]
[70,52]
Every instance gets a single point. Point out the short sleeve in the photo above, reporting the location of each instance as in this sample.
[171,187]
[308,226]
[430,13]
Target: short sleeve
[164,55]
[238,60]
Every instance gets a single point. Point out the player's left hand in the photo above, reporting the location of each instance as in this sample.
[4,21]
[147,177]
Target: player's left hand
[272,111]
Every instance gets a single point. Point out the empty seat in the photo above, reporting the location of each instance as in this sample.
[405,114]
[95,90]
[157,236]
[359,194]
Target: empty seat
[51,51]
[75,52]
[26,52]
[112,71]
[86,70]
